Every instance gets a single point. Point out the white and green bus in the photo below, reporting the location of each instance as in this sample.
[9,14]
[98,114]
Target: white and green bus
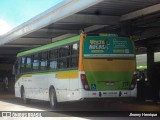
[77,68]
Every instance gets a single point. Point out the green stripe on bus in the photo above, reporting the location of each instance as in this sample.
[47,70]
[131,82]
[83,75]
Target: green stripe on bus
[49,46]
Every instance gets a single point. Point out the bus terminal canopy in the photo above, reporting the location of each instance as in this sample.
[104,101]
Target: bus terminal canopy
[137,18]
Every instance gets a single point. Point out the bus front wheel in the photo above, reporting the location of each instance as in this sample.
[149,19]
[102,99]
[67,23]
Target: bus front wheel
[53,98]
[23,96]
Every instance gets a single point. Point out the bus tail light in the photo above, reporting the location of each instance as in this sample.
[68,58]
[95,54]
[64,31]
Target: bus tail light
[134,81]
[84,82]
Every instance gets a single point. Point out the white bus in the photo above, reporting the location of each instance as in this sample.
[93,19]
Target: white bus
[77,68]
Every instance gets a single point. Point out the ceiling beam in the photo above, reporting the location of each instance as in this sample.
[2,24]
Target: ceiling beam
[91,19]
[8,51]
[63,37]
[94,27]
[52,30]
[30,41]
[141,12]
[54,14]
[19,46]
[88,29]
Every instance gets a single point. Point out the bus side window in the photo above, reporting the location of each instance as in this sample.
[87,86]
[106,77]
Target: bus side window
[53,59]
[64,55]
[74,55]
[35,63]
[28,64]
[22,67]
[43,61]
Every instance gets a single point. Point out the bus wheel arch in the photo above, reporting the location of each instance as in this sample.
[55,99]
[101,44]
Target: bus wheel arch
[52,97]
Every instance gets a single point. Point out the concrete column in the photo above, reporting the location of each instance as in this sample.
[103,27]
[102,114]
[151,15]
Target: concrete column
[150,62]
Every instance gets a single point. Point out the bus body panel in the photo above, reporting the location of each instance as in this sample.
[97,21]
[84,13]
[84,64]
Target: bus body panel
[112,74]
[64,94]
[37,86]
[86,94]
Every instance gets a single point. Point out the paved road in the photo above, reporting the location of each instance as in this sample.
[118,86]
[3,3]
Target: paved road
[82,110]
[36,105]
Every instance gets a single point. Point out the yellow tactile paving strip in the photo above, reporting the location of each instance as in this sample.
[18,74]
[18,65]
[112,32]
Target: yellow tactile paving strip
[7,95]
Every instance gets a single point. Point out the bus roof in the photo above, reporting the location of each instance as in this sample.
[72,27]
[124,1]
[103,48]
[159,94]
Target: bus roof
[49,46]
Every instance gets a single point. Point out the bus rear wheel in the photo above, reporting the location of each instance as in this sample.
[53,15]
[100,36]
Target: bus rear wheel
[53,98]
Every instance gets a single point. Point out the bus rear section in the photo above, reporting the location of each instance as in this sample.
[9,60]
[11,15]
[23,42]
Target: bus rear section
[107,67]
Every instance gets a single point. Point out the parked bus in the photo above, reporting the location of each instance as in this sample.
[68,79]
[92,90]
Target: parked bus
[142,63]
[150,88]
[77,68]
[140,70]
